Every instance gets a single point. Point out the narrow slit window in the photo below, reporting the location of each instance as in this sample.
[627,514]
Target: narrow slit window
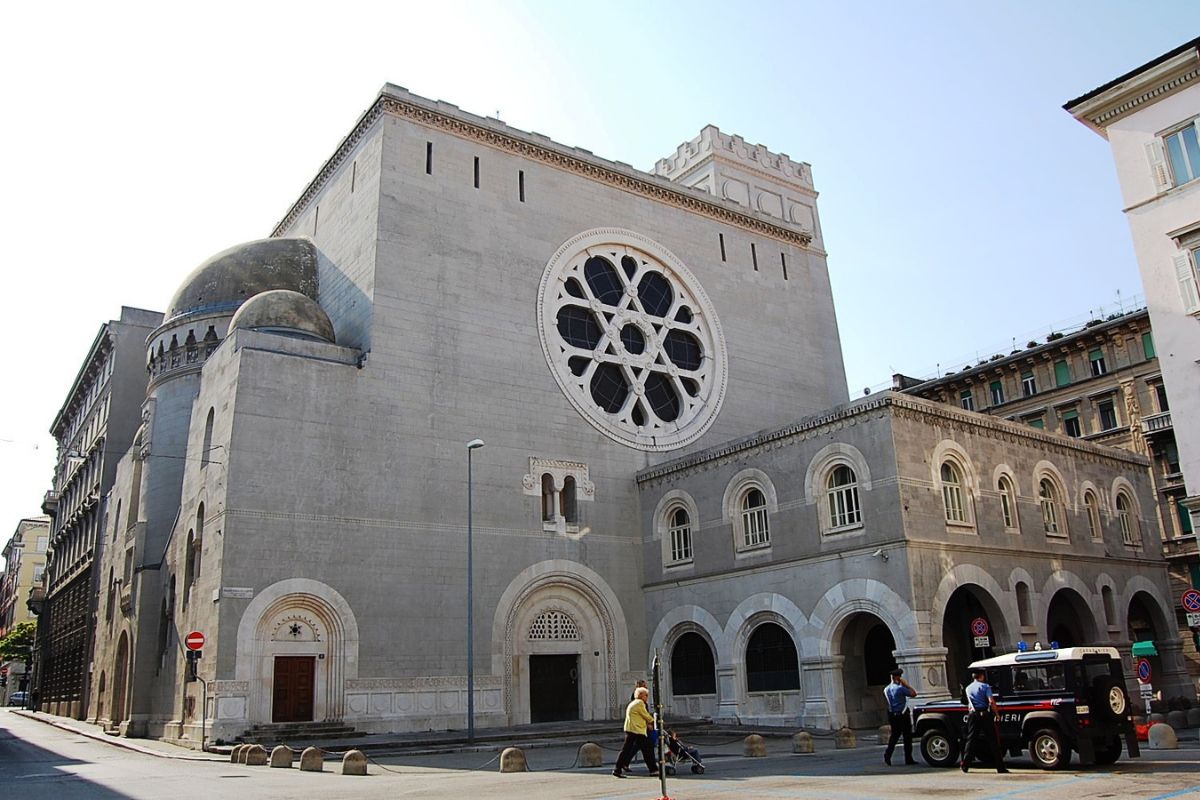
[521,184]
[721,239]
[429,158]
[476,172]
[783,263]
[353,175]
[754,256]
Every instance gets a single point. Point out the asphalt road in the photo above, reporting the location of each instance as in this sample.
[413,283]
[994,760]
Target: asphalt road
[41,761]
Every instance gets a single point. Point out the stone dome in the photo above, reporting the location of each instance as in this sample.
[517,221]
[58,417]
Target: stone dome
[284,311]
[228,279]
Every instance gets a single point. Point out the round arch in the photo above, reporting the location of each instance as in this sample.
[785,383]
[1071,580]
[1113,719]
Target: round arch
[329,634]
[1070,618]
[572,588]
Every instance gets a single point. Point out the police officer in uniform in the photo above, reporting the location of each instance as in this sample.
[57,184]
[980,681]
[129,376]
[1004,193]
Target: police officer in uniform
[981,721]
[897,693]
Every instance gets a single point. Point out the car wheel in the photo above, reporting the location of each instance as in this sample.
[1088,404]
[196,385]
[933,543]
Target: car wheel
[1048,750]
[938,748]
[1108,751]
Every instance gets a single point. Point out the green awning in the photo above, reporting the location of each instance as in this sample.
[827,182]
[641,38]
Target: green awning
[1144,649]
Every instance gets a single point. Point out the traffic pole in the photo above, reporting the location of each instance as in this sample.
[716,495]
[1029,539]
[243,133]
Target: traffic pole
[659,725]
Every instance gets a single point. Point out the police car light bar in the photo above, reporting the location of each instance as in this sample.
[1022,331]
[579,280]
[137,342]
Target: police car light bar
[1037,655]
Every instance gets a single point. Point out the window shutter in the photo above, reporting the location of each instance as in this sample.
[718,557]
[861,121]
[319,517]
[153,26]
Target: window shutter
[1187,282]
[1158,165]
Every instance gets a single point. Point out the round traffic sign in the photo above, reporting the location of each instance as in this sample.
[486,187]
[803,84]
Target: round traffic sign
[1143,670]
[979,626]
[1191,600]
[194,640]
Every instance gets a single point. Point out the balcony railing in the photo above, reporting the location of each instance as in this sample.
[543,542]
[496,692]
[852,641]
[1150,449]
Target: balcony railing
[1181,547]
[1157,423]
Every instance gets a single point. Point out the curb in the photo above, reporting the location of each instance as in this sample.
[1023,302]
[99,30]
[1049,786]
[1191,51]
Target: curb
[115,741]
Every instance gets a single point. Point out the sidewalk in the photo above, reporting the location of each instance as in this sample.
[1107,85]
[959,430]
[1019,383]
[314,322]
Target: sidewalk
[150,747]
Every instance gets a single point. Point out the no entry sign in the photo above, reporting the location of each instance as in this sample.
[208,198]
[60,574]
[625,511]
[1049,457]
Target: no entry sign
[979,626]
[194,640]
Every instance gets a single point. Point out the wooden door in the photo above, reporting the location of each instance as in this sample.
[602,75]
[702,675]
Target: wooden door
[553,688]
[293,701]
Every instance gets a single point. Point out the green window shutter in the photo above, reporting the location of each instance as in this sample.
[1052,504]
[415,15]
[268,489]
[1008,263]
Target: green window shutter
[1072,414]
[1038,423]
[1095,355]
[1185,519]
[1062,373]
[1148,345]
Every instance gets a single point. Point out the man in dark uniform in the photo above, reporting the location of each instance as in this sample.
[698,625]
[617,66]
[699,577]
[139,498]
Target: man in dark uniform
[981,721]
[897,693]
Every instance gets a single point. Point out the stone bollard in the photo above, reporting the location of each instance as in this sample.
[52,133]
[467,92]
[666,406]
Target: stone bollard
[1162,737]
[885,733]
[235,753]
[844,739]
[754,746]
[281,756]
[512,759]
[354,763]
[802,742]
[590,755]
[1193,717]
[243,752]
[312,760]
[1157,717]
[256,756]
[1177,719]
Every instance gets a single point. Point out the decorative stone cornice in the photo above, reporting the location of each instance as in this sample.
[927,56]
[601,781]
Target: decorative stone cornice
[899,405]
[1147,84]
[397,102]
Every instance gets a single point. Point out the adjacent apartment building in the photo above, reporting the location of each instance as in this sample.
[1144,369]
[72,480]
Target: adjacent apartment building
[24,562]
[1151,117]
[93,428]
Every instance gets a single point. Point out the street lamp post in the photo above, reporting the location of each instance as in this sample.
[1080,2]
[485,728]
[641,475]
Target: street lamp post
[472,445]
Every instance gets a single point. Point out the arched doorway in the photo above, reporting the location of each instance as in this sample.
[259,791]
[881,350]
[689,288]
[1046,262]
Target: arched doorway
[1070,621]
[867,648]
[693,676]
[117,712]
[967,604]
[1146,624]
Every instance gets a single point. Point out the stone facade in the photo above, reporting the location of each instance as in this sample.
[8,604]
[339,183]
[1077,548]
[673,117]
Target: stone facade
[447,278]
[24,562]
[1100,383]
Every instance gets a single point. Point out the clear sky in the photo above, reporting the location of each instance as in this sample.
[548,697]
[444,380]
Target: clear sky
[961,206]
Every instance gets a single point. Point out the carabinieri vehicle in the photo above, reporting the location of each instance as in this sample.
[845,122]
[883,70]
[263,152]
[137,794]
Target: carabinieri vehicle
[1049,702]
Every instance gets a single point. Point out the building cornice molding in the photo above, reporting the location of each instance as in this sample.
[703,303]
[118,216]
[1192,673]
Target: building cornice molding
[448,118]
[899,405]
[1144,87]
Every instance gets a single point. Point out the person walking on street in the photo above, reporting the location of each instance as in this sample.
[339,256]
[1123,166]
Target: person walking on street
[637,721]
[897,693]
[981,721]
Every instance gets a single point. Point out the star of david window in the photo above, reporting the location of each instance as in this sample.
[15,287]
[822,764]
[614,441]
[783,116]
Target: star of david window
[632,339]
[295,629]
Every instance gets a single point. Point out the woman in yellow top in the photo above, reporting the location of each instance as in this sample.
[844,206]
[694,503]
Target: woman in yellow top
[637,721]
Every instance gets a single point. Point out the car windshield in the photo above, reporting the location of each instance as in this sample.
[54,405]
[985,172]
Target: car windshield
[1037,678]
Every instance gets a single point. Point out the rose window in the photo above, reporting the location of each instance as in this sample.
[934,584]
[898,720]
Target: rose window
[632,339]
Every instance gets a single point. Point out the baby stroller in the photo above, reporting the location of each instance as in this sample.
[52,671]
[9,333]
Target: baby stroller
[678,753]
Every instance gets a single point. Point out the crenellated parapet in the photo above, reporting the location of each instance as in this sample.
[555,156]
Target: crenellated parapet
[730,168]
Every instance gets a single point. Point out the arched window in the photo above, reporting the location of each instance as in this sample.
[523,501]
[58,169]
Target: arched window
[771,662]
[692,667]
[1008,502]
[549,502]
[1024,614]
[112,594]
[205,453]
[1110,610]
[754,519]
[189,577]
[1048,497]
[842,490]
[116,523]
[1093,514]
[681,535]
[1125,516]
[952,493]
[567,501]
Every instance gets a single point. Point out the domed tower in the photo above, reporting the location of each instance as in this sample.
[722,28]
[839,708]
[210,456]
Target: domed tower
[281,276]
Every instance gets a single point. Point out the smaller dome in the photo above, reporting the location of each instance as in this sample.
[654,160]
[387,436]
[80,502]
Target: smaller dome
[284,311]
